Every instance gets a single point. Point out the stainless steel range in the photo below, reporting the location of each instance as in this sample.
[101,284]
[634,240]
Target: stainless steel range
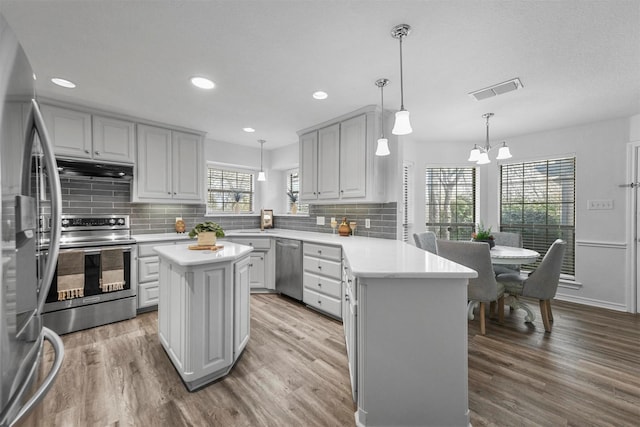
[92,285]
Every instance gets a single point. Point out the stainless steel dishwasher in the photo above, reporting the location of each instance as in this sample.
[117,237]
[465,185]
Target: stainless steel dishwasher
[289,268]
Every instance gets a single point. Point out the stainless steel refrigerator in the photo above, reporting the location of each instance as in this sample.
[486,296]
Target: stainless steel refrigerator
[28,183]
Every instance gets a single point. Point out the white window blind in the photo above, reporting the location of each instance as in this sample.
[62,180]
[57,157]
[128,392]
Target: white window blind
[537,200]
[224,187]
[293,186]
[450,202]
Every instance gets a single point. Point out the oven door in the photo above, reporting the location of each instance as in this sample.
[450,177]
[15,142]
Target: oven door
[92,294]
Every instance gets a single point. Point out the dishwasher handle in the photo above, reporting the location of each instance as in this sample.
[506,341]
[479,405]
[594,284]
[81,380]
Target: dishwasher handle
[288,244]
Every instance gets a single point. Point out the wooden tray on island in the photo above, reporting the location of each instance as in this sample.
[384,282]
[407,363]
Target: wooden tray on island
[205,247]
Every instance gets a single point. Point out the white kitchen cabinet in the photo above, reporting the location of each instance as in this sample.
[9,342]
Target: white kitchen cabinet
[329,162]
[349,321]
[203,312]
[337,161]
[114,140]
[262,261]
[309,166]
[242,304]
[69,130]
[322,278]
[170,166]
[78,134]
[147,266]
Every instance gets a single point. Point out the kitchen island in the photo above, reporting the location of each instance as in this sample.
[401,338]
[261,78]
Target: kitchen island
[203,309]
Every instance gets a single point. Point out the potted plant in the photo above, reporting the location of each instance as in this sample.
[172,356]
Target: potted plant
[237,196]
[293,198]
[207,233]
[483,235]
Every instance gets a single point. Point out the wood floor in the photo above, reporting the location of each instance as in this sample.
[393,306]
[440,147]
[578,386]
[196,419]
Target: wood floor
[294,373]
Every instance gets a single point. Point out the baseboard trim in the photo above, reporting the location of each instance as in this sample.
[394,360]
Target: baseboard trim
[592,302]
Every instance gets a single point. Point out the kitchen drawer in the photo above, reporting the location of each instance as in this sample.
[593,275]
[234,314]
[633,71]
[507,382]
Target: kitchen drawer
[148,268]
[325,285]
[147,248]
[322,302]
[323,267]
[148,294]
[256,243]
[322,251]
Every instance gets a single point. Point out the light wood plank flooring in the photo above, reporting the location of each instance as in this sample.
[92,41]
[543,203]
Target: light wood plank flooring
[294,373]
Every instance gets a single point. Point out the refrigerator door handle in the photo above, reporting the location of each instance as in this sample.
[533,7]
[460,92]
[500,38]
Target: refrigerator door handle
[36,124]
[58,348]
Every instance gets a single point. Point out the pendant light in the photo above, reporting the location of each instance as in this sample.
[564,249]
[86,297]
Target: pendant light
[480,155]
[261,175]
[402,125]
[383,143]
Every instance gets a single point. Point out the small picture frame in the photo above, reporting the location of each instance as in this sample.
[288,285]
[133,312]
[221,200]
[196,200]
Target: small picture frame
[266,218]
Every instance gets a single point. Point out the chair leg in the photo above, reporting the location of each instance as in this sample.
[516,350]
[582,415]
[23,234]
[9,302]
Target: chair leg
[482,322]
[550,312]
[544,311]
[501,309]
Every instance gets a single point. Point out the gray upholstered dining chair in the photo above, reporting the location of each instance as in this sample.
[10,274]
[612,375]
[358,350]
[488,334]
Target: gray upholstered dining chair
[506,238]
[483,288]
[541,284]
[427,241]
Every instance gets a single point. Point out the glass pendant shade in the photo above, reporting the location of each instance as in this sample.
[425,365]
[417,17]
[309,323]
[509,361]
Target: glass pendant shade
[484,158]
[503,152]
[261,176]
[383,147]
[402,125]
[474,154]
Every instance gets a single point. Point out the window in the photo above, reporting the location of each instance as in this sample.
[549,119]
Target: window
[293,186]
[229,191]
[450,208]
[537,200]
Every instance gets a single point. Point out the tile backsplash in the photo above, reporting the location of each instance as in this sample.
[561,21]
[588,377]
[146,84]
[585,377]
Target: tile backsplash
[91,196]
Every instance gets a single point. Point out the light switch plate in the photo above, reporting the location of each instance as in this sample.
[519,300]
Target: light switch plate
[605,204]
[367,223]
[320,220]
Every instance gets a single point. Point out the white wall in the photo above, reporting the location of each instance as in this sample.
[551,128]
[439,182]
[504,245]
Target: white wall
[600,150]
[270,194]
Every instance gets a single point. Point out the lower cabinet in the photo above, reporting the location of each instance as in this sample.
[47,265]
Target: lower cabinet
[148,265]
[203,317]
[262,262]
[322,278]
[349,314]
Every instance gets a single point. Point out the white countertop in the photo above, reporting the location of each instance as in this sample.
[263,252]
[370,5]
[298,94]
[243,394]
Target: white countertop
[367,256]
[181,254]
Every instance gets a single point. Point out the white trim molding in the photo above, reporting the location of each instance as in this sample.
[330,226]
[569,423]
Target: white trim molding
[601,244]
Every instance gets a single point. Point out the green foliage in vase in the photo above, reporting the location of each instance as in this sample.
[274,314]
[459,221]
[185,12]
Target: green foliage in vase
[482,233]
[292,196]
[207,226]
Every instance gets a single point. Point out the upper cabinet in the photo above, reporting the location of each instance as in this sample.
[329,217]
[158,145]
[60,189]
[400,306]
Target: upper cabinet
[337,161]
[170,166]
[80,135]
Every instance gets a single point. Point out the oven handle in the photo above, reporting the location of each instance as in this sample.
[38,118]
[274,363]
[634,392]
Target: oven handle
[96,251]
[35,123]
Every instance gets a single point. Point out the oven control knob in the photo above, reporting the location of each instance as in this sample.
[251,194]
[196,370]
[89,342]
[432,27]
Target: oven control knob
[112,221]
[65,222]
[120,221]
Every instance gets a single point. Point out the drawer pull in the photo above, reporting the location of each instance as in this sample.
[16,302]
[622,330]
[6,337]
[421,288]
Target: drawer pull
[319,285]
[319,302]
[346,297]
[319,267]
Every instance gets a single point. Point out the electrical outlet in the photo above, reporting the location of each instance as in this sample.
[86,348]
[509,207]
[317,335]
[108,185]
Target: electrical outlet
[367,223]
[320,220]
[593,205]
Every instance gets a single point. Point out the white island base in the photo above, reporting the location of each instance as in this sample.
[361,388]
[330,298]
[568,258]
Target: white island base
[203,310]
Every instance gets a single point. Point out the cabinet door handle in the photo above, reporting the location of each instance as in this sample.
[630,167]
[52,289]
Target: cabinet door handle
[97,153]
[87,151]
[261,259]
[346,297]
[169,193]
[342,191]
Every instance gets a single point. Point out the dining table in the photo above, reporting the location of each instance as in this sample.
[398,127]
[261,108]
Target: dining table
[510,255]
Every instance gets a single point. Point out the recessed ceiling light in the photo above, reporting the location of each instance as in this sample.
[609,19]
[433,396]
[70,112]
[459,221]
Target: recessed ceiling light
[248,130]
[202,82]
[63,83]
[320,95]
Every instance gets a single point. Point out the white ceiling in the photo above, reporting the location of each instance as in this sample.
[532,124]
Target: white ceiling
[579,61]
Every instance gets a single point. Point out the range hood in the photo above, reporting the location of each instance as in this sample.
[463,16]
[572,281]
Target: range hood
[98,170]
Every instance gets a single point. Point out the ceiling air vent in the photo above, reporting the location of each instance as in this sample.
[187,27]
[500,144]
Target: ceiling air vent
[499,89]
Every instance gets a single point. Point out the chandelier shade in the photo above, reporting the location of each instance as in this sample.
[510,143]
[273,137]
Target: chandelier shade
[480,155]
